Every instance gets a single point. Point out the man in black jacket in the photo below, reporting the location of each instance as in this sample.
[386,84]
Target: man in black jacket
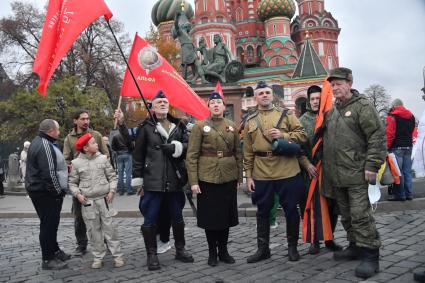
[123,148]
[159,167]
[46,180]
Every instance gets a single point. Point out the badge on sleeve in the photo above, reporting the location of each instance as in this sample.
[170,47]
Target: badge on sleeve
[207,129]
[348,114]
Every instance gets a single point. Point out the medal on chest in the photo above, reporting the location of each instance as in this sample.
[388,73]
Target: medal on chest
[207,129]
[230,129]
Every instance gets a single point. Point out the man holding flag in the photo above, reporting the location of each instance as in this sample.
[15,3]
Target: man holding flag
[159,168]
[308,120]
[353,151]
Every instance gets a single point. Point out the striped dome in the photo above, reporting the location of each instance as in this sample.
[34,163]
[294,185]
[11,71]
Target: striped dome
[165,10]
[268,9]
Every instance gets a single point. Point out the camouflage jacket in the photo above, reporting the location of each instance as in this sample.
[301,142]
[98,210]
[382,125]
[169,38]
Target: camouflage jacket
[354,141]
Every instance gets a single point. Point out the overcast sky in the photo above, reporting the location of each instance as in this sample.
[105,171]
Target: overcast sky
[382,41]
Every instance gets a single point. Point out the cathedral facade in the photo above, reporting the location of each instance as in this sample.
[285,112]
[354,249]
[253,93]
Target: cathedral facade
[288,51]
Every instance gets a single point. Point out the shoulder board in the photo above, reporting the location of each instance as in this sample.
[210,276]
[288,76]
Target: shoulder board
[252,115]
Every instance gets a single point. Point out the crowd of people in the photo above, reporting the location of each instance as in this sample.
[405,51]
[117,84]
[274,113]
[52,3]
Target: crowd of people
[276,158]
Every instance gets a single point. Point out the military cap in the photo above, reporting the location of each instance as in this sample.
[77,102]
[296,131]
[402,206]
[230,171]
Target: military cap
[262,84]
[215,95]
[160,94]
[340,73]
[82,141]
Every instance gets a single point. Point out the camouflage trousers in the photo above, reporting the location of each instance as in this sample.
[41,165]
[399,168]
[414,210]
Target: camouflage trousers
[357,217]
[101,229]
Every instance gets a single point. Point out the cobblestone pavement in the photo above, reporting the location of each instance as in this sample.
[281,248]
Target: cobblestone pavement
[403,251]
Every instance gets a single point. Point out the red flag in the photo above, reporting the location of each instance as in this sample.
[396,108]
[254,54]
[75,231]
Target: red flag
[154,73]
[219,89]
[65,20]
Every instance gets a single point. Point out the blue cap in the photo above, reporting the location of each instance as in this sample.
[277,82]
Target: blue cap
[160,94]
[215,95]
[261,84]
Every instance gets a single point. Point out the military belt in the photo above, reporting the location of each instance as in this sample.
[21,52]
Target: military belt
[264,153]
[217,153]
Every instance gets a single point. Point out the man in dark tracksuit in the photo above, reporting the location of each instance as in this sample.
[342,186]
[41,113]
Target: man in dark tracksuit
[46,180]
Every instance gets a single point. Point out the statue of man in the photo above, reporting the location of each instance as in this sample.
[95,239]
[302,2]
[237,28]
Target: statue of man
[221,55]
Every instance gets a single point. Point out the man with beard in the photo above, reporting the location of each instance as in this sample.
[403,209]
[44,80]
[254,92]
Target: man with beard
[81,121]
[159,168]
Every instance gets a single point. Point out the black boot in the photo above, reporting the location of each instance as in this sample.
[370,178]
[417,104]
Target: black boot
[212,247]
[369,265]
[419,276]
[314,248]
[263,239]
[332,246]
[223,253]
[349,253]
[149,235]
[179,242]
[292,234]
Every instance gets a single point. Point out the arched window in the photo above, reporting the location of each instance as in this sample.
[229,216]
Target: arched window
[240,54]
[239,14]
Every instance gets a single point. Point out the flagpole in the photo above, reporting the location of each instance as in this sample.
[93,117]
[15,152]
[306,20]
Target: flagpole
[118,107]
[131,72]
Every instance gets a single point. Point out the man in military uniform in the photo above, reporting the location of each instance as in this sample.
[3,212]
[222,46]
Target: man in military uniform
[269,172]
[354,150]
[81,126]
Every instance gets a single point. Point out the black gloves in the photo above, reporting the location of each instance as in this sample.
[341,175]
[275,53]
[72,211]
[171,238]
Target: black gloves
[168,149]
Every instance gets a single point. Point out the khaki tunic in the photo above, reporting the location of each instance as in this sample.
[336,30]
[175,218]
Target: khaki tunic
[204,137]
[274,167]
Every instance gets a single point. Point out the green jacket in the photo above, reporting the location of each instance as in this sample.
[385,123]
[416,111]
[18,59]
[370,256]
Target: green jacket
[205,140]
[308,121]
[353,146]
[69,151]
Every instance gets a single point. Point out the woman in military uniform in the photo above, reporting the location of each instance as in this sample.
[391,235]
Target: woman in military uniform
[214,165]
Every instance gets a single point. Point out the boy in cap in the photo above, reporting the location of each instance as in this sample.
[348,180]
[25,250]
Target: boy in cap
[93,182]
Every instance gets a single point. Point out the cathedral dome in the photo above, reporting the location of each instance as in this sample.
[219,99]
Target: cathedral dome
[165,10]
[267,9]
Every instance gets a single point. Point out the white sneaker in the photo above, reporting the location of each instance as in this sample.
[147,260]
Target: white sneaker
[97,263]
[274,226]
[119,262]
[163,247]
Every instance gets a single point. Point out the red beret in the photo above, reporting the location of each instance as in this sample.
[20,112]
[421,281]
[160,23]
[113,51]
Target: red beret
[82,141]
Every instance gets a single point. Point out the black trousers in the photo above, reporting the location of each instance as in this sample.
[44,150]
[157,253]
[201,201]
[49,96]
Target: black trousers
[79,225]
[163,223]
[290,190]
[48,210]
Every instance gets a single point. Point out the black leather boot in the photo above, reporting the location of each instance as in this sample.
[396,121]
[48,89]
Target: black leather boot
[314,248]
[179,242]
[369,264]
[212,247]
[223,253]
[263,239]
[349,253]
[292,234]
[419,276]
[149,235]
